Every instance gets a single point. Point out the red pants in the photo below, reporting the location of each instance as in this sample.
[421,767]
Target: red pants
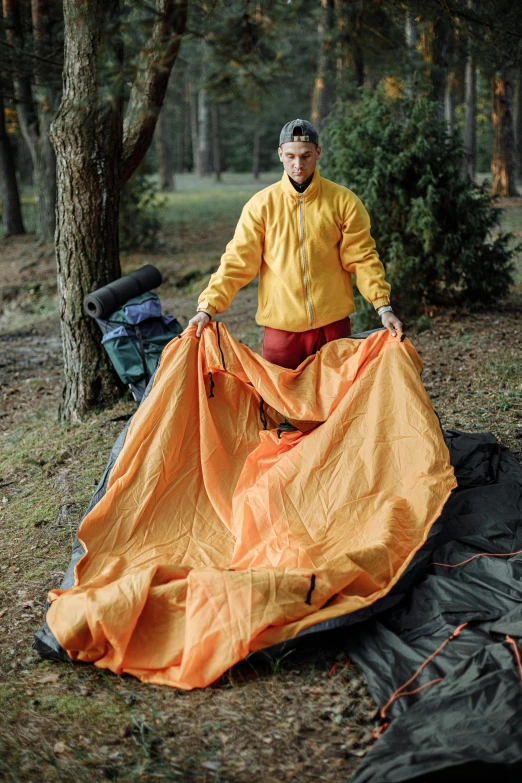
[289,349]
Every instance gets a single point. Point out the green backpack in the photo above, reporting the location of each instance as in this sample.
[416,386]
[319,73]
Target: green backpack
[134,337]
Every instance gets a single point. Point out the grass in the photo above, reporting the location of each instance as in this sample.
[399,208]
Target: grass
[198,203]
[39,450]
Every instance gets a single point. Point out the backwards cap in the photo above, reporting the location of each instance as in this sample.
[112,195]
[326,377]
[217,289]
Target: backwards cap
[299,130]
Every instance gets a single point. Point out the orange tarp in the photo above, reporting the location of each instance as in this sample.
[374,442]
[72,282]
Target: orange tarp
[214,538]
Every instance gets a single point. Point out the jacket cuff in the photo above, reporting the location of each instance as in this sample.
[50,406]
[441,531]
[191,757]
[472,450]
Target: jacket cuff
[383,300]
[206,307]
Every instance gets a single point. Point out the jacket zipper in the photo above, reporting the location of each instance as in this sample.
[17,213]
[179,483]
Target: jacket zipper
[303,256]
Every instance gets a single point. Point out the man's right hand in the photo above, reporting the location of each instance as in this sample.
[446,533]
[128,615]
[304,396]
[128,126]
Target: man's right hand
[201,319]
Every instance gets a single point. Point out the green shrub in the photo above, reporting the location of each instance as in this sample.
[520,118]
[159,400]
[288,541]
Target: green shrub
[435,229]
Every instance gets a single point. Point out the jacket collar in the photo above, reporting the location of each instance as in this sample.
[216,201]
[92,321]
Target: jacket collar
[311,192]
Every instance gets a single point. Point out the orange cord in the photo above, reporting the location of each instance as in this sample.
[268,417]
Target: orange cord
[421,687]
[481,554]
[376,733]
[344,665]
[399,692]
[517,655]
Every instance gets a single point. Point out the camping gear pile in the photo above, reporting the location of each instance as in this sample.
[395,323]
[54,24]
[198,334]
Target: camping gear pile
[134,330]
[209,537]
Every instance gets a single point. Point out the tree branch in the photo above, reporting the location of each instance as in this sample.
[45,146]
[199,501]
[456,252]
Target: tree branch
[31,55]
[150,84]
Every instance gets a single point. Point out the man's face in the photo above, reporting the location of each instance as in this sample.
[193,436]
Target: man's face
[299,159]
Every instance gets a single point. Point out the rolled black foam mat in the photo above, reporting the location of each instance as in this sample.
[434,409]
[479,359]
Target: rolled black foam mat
[104,301]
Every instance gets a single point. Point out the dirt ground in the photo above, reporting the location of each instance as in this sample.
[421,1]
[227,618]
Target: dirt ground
[306,716]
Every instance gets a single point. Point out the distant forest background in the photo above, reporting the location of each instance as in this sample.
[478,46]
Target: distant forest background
[245,67]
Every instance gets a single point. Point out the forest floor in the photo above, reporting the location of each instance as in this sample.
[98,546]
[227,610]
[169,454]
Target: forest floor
[297,718]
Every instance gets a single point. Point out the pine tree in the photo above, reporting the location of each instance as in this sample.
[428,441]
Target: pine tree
[435,229]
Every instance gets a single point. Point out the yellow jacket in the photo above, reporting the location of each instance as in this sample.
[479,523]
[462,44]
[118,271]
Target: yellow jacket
[304,247]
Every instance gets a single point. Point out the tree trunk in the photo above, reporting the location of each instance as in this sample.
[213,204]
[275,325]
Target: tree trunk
[150,84]
[357,49]
[470,113]
[96,153]
[256,156]
[11,212]
[340,46]
[436,46]
[204,143]
[164,150]
[410,32]
[518,126]
[23,161]
[34,118]
[87,135]
[45,162]
[503,167]
[45,181]
[180,130]
[449,102]
[410,39]
[349,48]
[216,142]
[323,92]
[21,81]
[194,134]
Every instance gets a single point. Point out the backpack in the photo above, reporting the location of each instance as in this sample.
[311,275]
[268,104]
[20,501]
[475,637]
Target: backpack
[134,337]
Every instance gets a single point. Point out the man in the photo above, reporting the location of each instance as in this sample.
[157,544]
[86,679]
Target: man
[305,235]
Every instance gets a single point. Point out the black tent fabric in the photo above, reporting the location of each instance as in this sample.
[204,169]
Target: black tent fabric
[467,725]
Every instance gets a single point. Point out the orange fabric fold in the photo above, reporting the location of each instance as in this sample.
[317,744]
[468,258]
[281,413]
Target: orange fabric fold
[215,538]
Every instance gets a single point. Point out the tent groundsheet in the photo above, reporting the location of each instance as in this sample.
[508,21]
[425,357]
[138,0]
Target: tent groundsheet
[210,537]
[459,718]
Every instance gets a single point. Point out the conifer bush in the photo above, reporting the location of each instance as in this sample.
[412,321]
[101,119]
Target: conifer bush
[436,230]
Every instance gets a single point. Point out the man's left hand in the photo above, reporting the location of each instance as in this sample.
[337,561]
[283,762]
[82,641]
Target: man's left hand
[392,323]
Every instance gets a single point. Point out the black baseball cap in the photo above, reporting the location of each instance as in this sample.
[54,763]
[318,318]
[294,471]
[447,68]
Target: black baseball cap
[299,130]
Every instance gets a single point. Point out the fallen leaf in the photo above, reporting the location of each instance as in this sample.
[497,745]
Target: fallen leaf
[48,679]
[213,765]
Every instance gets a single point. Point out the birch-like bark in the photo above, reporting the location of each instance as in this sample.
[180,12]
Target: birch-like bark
[216,141]
[256,154]
[194,132]
[180,130]
[410,39]
[449,102]
[204,141]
